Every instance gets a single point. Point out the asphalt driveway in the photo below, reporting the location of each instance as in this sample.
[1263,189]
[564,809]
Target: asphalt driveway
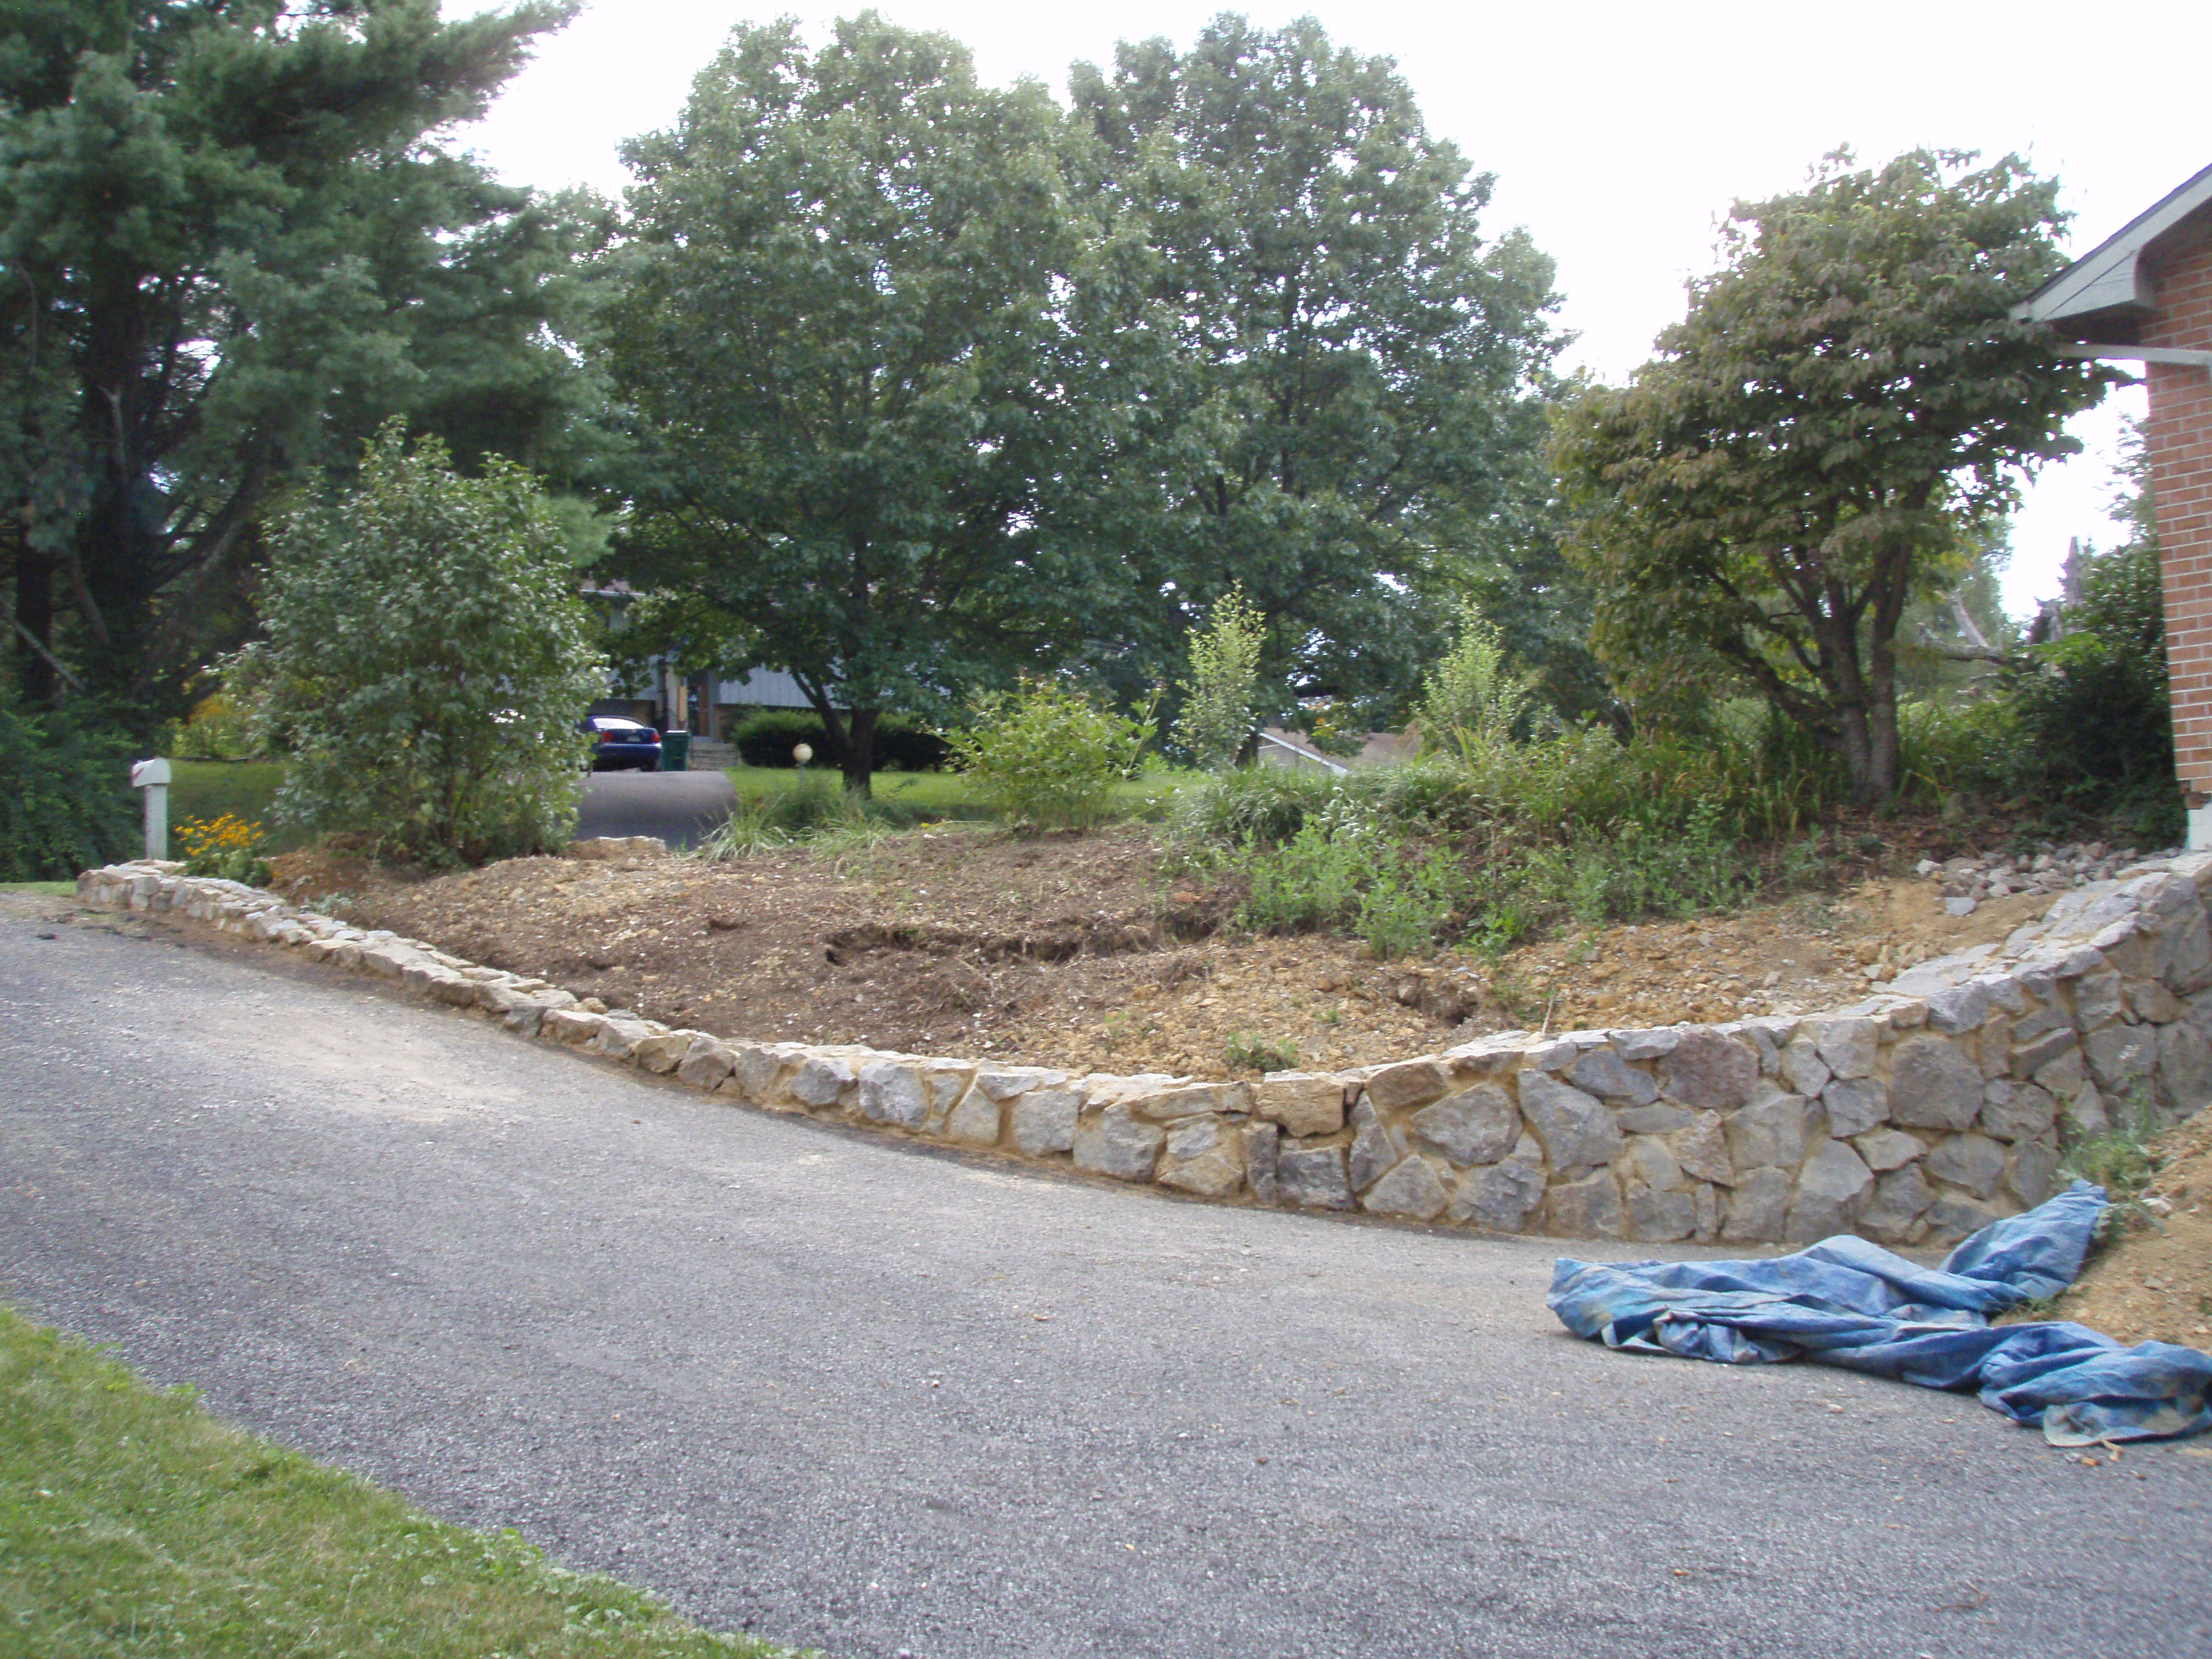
[889,1401]
[682,808]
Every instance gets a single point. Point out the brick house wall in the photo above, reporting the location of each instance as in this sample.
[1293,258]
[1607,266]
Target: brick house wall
[2179,442]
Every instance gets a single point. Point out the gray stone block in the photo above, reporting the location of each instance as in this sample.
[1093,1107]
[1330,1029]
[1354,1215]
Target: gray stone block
[1414,1082]
[1313,1176]
[1261,1141]
[1661,1218]
[1855,1105]
[1410,1188]
[2016,1111]
[1588,1208]
[1602,1073]
[1953,1216]
[1756,1207]
[1475,1126]
[1899,1201]
[1206,1156]
[1770,1133]
[1974,1162]
[1651,1161]
[707,1062]
[2031,1171]
[1707,1071]
[2185,1068]
[1701,1150]
[1375,1146]
[976,1119]
[1499,1198]
[1646,1045]
[1846,1046]
[2121,1057]
[1835,1173]
[2030,1057]
[1889,1149]
[1118,1143]
[892,1092]
[2096,999]
[1804,1069]
[1044,1120]
[1303,1103]
[1961,1009]
[1932,1085]
[1578,1131]
[822,1080]
[1662,1118]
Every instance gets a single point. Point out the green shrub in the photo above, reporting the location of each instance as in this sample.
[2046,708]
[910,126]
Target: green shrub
[228,846]
[66,802]
[1264,803]
[425,659]
[1345,869]
[1047,756]
[216,729]
[1217,700]
[903,744]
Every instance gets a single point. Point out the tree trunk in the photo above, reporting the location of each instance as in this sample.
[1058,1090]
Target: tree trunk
[34,612]
[861,752]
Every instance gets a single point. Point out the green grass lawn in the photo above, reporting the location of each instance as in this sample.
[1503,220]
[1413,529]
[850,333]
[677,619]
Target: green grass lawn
[131,1522]
[945,794]
[39,889]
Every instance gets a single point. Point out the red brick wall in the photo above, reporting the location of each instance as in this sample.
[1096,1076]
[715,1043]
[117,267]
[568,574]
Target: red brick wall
[2180,442]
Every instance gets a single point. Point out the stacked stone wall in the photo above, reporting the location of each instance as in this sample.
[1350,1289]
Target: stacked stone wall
[1914,1117]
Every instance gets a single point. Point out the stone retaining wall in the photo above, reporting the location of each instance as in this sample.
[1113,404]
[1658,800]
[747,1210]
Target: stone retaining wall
[1915,1116]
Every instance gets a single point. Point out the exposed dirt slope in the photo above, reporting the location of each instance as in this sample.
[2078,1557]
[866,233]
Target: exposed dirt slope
[2154,1283]
[1075,952]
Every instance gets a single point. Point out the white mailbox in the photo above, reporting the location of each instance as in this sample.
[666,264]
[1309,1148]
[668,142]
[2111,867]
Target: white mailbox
[152,776]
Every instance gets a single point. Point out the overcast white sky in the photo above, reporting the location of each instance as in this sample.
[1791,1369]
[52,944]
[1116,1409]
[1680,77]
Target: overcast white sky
[1618,132]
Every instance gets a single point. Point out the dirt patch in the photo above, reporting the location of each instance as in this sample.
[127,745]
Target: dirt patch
[2153,1283]
[1794,958]
[1076,951]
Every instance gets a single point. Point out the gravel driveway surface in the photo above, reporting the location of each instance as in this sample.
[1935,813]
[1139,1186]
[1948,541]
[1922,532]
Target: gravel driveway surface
[888,1401]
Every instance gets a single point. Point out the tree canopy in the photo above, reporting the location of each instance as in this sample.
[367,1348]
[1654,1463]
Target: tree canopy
[230,246]
[1830,430]
[839,316]
[1353,410]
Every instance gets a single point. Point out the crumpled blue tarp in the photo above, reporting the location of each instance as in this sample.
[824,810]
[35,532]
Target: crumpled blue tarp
[1844,1301]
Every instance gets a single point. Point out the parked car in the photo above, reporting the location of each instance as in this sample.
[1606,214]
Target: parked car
[618,743]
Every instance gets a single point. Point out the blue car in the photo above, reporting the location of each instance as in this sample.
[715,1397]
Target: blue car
[619,743]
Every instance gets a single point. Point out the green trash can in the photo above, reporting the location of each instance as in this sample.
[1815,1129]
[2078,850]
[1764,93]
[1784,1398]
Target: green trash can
[676,751]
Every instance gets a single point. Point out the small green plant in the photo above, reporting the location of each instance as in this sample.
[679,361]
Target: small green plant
[1047,757]
[1217,705]
[228,847]
[1470,700]
[2122,1159]
[1244,1054]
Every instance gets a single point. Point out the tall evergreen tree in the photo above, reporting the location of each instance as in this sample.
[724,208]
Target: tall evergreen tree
[229,246]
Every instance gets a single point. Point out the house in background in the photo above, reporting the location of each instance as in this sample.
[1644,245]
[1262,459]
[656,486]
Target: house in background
[2144,295]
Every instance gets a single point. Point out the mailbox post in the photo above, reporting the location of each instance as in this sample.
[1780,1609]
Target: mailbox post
[152,776]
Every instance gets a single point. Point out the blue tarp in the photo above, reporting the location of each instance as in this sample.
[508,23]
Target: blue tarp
[1846,1302]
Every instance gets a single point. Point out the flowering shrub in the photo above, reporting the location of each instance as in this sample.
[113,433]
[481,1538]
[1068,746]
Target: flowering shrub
[228,846]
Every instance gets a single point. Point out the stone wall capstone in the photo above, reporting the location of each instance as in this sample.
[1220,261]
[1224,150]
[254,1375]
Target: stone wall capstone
[1914,1117]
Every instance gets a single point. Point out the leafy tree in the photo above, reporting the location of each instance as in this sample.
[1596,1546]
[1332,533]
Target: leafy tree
[1845,405]
[1217,712]
[426,651]
[838,314]
[228,248]
[1354,401]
